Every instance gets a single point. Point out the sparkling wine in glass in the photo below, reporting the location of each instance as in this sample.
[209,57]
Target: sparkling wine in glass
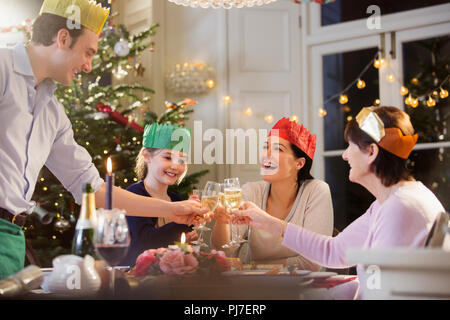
[112,238]
[232,199]
[209,198]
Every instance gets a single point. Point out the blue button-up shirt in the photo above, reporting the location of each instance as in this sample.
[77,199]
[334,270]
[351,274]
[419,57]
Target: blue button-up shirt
[35,131]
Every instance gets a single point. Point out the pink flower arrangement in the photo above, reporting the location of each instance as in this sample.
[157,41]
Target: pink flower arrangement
[217,260]
[148,260]
[178,261]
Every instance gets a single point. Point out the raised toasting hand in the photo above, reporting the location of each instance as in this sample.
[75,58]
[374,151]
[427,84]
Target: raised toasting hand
[187,212]
[221,215]
[250,214]
[207,214]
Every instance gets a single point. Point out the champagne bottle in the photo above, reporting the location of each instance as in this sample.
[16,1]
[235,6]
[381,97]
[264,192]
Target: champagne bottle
[83,241]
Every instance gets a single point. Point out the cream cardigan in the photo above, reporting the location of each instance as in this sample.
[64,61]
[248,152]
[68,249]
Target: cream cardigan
[312,210]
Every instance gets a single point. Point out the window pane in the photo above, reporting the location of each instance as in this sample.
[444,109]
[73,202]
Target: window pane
[339,70]
[432,167]
[350,200]
[349,10]
[425,66]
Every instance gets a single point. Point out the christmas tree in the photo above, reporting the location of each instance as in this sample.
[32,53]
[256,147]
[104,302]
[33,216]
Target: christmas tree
[427,80]
[104,120]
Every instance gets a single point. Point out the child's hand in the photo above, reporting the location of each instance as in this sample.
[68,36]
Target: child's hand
[194,197]
[198,220]
[191,236]
[185,212]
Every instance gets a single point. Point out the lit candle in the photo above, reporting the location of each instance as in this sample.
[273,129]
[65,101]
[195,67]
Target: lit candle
[187,248]
[109,184]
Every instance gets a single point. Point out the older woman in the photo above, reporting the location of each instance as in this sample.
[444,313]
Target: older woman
[288,192]
[380,141]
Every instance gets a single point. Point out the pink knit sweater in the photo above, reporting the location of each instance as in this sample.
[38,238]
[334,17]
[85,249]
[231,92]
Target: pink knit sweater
[403,220]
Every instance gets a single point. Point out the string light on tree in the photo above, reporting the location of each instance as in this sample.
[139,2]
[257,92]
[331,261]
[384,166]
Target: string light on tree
[409,100]
[431,102]
[414,81]
[443,93]
[120,73]
[377,102]
[404,91]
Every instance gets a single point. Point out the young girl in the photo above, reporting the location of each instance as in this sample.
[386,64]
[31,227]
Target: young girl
[160,163]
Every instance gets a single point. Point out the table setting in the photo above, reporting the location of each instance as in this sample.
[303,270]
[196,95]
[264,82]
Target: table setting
[181,270]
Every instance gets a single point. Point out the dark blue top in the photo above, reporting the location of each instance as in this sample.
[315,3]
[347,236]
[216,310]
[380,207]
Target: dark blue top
[144,233]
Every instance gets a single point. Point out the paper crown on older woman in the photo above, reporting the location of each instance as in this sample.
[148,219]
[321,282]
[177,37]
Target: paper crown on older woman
[167,136]
[390,139]
[85,12]
[296,134]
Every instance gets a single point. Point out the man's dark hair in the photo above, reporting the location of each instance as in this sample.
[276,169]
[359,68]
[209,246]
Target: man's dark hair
[47,26]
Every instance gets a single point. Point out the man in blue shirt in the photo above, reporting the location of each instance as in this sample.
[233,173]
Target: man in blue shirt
[35,131]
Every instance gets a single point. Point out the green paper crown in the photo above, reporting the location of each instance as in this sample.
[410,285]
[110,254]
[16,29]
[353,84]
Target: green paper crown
[167,136]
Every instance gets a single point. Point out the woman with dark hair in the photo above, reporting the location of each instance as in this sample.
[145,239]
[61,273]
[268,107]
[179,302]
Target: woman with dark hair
[287,192]
[380,141]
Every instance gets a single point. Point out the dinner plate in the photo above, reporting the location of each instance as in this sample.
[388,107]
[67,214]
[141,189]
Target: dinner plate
[262,266]
[263,272]
[302,272]
[261,277]
[320,275]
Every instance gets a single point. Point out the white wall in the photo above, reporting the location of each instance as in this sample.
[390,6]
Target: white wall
[212,36]
[13,13]
[188,34]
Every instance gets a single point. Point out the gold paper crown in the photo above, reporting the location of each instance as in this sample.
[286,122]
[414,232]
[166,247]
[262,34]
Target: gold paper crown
[90,14]
[390,139]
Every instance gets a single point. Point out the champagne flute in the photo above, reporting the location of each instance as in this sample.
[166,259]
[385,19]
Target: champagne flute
[111,239]
[209,198]
[199,228]
[232,199]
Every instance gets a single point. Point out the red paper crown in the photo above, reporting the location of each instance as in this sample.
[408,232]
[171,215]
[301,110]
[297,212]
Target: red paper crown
[296,134]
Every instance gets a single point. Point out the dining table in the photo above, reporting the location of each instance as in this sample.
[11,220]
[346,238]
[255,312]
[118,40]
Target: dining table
[259,284]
